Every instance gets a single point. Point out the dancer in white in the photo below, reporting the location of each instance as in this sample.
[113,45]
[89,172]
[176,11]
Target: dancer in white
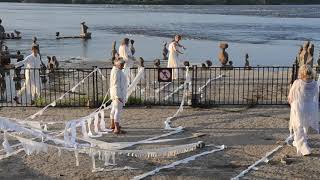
[31,87]
[174,51]
[118,93]
[303,98]
[126,55]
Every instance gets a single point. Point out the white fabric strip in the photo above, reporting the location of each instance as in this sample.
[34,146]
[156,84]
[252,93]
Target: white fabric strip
[174,92]
[263,159]
[162,87]
[207,83]
[53,104]
[172,165]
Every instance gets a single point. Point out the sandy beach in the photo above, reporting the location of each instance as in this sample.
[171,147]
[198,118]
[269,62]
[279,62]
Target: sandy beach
[248,133]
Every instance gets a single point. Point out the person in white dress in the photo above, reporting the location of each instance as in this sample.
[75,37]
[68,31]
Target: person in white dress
[118,95]
[30,90]
[126,55]
[174,51]
[303,99]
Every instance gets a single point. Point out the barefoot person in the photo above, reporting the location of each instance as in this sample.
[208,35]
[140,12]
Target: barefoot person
[31,87]
[126,55]
[174,51]
[118,93]
[303,99]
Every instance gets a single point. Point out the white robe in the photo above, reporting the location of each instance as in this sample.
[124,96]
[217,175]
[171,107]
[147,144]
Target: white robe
[118,84]
[173,60]
[31,87]
[125,54]
[303,98]
[118,90]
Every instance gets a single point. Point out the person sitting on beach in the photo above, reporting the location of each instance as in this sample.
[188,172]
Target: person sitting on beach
[303,99]
[118,95]
[174,51]
[31,87]
[125,54]
[2,31]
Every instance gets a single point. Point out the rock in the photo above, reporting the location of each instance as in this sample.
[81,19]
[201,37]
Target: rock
[157,63]
[223,55]
[201,145]
[186,63]
[209,63]
[286,160]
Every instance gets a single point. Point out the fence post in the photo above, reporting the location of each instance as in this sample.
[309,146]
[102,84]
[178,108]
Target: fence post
[194,95]
[294,73]
[94,102]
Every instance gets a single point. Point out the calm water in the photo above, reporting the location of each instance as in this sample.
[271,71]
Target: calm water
[270,34]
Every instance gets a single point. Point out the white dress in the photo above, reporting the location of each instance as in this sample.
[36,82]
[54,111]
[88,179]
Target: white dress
[125,54]
[173,61]
[31,87]
[303,98]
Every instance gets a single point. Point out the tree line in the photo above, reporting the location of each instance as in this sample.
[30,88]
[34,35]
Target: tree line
[173,2]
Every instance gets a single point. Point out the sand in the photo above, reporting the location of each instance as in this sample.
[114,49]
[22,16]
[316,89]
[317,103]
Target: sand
[248,133]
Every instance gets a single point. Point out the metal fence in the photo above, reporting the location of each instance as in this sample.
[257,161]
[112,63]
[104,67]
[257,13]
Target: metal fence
[242,86]
[210,86]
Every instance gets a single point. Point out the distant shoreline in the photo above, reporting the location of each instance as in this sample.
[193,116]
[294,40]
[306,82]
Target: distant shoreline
[171,2]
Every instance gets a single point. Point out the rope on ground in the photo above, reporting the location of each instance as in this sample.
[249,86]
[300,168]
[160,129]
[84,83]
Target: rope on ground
[263,159]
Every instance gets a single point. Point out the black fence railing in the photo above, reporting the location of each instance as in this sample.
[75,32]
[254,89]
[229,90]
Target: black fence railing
[243,86]
[210,86]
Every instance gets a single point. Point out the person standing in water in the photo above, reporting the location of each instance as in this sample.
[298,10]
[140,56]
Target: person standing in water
[174,51]
[31,87]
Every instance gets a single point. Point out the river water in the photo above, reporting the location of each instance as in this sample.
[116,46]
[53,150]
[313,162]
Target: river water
[270,34]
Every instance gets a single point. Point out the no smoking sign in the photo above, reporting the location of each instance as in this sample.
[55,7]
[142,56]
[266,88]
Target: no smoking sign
[165,75]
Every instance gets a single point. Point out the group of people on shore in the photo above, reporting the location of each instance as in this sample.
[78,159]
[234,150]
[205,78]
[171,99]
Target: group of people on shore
[120,76]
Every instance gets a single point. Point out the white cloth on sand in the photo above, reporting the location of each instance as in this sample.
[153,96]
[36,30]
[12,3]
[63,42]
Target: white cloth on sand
[303,98]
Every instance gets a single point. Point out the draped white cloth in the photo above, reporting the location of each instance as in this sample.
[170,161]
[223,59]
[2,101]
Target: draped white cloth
[31,87]
[173,61]
[303,98]
[118,84]
[10,85]
[125,53]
